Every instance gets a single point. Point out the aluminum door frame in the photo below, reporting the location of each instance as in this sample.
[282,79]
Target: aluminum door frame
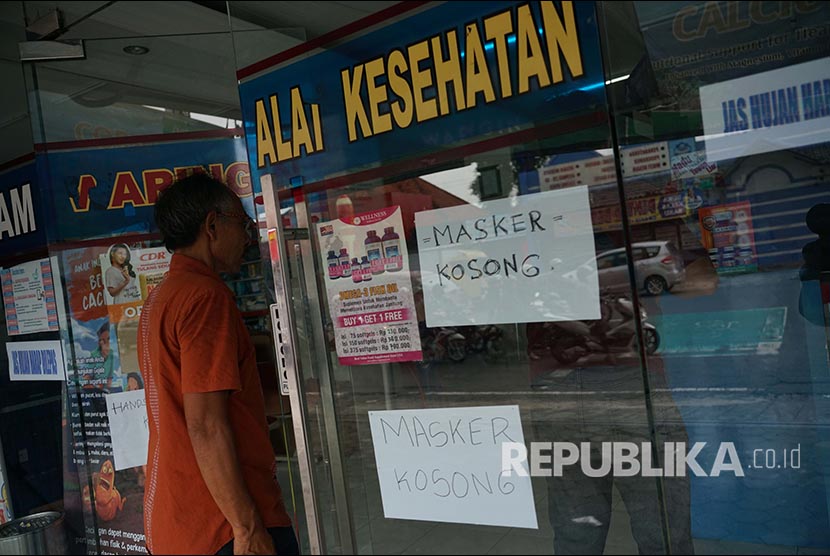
[286,346]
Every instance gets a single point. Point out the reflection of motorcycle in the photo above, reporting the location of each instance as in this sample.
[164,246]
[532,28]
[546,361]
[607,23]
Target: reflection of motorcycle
[613,335]
[487,339]
[443,343]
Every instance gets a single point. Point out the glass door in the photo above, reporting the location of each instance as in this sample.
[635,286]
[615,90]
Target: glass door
[724,160]
[466,345]
[504,354]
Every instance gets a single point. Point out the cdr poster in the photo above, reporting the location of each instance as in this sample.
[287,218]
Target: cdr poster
[129,276]
[369,290]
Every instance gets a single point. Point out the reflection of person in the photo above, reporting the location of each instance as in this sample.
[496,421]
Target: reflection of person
[104,352]
[581,506]
[815,272]
[120,277]
[211,482]
[134,382]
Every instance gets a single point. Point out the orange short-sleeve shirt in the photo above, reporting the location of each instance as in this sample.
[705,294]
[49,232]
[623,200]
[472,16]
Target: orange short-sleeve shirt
[192,339]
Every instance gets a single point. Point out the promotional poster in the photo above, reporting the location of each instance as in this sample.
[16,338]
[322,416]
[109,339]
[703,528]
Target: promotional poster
[129,277]
[30,298]
[369,290]
[728,235]
[104,363]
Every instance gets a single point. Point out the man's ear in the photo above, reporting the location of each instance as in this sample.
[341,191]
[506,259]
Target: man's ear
[210,225]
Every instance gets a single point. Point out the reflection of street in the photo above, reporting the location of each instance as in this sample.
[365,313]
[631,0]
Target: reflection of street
[701,279]
[760,399]
[738,332]
[770,396]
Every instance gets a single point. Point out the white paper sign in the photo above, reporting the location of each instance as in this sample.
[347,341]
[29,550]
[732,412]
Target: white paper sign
[527,259]
[445,465]
[644,159]
[29,298]
[36,360]
[598,170]
[769,111]
[130,434]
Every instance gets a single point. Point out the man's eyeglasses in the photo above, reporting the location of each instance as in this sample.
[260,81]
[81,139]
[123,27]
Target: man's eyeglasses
[251,230]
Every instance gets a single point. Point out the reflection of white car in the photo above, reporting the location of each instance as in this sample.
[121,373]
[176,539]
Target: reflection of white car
[658,267]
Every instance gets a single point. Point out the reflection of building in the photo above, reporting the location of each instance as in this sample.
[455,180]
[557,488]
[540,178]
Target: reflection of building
[781,187]
[663,204]
[659,206]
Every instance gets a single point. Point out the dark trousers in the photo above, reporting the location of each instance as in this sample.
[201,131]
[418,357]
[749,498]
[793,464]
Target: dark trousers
[581,507]
[285,542]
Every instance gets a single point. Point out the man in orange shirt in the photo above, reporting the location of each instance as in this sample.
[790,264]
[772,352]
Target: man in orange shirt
[211,486]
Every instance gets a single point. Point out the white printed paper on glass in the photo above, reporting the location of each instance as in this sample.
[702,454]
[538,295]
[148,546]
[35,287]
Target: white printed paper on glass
[525,259]
[36,360]
[768,111]
[31,297]
[127,413]
[446,465]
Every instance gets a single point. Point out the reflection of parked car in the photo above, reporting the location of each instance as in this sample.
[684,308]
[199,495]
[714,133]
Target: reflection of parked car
[658,266]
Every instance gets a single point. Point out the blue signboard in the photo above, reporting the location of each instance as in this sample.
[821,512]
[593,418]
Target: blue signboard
[100,192]
[693,43]
[441,78]
[22,221]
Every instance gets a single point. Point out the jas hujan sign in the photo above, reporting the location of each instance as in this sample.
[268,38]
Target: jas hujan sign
[489,68]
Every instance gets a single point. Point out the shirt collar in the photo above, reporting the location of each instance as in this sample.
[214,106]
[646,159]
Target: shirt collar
[183,263]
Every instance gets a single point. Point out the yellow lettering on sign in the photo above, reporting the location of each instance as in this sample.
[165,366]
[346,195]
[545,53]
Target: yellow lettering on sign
[531,58]
[85,184]
[318,127]
[377,95]
[155,180]
[478,76]
[425,109]
[712,19]
[496,29]
[402,108]
[264,141]
[125,191]
[300,131]
[678,27]
[283,147]
[756,10]
[448,71]
[355,111]
[562,38]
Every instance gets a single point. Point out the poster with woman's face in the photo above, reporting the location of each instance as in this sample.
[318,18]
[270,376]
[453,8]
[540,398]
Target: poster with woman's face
[129,276]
